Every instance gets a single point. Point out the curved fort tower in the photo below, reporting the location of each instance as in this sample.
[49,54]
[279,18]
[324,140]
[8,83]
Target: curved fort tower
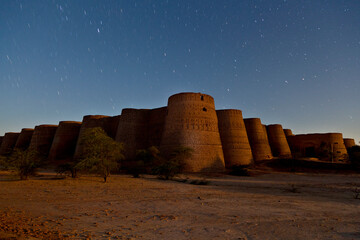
[349,142]
[8,142]
[107,123]
[42,138]
[234,139]
[192,122]
[140,129]
[288,132]
[64,143]
[132,130]
[24,138]
[258,139]
[277,140]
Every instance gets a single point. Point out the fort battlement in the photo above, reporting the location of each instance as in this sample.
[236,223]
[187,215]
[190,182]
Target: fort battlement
[218,138]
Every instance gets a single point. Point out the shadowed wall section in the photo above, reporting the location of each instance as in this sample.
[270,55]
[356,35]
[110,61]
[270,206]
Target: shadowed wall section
[92,121]
[192,122]
[42,138]
[8,142]
[156,125]
[1,138]
[65,139]
[140,129]
[258,139]
[24,138]
[277,140]
[132,130]
[288,132]
[234,139]
[349,142]
[326,146]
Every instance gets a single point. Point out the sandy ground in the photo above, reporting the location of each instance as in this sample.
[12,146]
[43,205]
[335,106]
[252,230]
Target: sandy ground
[265,206]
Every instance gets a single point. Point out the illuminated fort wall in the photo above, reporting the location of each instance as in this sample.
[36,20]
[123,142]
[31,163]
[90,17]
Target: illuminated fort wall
[191,122]
[234,139]
[277,140]
[326,146]
[349,142]
[258,139]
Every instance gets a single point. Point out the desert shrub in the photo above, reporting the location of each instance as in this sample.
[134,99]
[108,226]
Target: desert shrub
[25,162]
[356,193]
[199,182]
[145,158]
[239,171]
[168,168]
[292,188]
[354,155]
[101,154]
[67,168]
[4,163]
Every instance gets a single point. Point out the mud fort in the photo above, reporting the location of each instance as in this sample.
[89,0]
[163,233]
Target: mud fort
[220,138]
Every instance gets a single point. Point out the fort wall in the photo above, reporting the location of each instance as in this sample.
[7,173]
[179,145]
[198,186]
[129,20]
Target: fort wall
[325,146]
[24,138]
[90,121]
[65,139]
[277,140]
[132,130]
[258,139]
[42,138]
[234,139]
[192,122]
[8,142]
[288,132]
[349,142]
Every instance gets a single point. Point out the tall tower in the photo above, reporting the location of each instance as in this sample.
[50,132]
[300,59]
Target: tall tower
[192,122]
[258,139]
[234,139]
[64,143]
[277,140]
[42,138]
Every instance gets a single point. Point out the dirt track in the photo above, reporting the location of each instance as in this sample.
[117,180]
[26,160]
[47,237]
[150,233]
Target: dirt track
[266,206]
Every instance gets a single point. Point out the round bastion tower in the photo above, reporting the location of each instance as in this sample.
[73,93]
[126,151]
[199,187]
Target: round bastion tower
[191,122]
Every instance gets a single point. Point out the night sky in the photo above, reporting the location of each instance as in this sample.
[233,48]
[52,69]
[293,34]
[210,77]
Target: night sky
[296,63]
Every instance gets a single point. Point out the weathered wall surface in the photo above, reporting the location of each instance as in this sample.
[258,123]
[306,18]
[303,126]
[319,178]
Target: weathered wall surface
[42,138]
[326,146]
[91,121]
[192,122]
[156,125]
[24,138]
[258,139]
[65,139]
[288,132]
[234,139]
[132,130]
[8,142]
[110,125]
[277,140]
[1,139]
[349,142]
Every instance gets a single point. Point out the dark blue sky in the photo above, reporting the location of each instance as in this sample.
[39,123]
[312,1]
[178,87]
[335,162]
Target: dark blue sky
[296,63]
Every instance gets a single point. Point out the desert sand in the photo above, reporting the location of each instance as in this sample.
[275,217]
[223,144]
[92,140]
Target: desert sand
[266,205]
